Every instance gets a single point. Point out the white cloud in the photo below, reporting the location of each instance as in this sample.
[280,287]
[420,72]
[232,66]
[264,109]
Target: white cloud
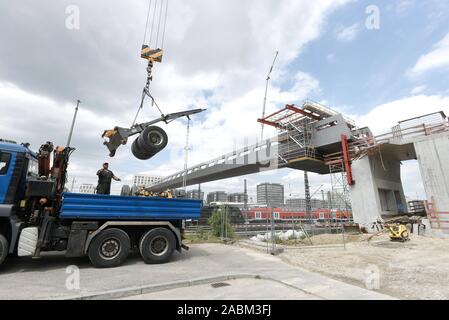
[381,118]
[418,89]
[437,58]
[347,34]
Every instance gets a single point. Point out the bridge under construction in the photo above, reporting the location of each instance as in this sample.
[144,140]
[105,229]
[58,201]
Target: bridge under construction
[364,169]
[309,138]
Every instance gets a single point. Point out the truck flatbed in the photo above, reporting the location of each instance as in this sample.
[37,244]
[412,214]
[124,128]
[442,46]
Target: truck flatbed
[107,207]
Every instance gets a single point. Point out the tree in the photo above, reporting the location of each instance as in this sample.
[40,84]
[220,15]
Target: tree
[220,222]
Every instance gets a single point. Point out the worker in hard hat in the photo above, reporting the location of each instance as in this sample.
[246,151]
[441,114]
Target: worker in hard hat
[105,177]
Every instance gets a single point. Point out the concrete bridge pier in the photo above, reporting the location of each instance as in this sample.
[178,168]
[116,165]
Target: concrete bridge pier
[378,190]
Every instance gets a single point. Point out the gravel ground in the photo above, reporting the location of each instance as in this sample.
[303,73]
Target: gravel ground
[417,269]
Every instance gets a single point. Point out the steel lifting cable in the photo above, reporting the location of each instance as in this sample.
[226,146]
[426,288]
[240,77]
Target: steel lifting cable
[164,19]
[159,23]
[146,24]
[146,89]
[165,23]
[152,23]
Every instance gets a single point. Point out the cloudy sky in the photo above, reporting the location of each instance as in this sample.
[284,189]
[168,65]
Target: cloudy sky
[217,54]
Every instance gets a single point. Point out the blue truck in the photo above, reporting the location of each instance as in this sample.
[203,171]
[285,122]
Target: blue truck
[37,214]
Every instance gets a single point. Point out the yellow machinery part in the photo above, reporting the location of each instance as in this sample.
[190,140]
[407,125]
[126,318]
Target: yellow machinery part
[398,232]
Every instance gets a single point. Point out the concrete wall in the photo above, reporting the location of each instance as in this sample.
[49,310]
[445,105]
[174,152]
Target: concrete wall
[330,135]
[433,159]
[377,191]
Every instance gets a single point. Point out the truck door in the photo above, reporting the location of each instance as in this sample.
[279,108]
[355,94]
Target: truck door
[6,169]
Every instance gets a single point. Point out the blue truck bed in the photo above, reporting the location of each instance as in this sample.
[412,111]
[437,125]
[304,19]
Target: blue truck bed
[107,207]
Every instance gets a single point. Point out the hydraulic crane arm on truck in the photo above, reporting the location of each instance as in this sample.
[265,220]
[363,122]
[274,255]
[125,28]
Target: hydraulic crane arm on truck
[37,214]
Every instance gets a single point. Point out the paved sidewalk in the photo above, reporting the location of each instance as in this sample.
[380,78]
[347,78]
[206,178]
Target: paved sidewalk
[45,278]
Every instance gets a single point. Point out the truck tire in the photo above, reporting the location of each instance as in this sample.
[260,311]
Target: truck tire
[4,248]
[138,152]
[157,245]
[109,248]
[153,139]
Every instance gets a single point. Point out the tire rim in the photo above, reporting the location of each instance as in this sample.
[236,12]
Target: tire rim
[110,248]
[159,246]
[155,137]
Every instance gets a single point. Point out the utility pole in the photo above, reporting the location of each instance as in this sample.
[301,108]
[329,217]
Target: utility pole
[73,184]
[266,92]
[307,196]
[245,194]
[245,204]
[186,155]
[73,123]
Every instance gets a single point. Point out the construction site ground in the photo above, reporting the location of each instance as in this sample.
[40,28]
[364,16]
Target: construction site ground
[416,269]
[240,273]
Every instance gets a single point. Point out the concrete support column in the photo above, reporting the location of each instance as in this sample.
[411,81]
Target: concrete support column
[377,191]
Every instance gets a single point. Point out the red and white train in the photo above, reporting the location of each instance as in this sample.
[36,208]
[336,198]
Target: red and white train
[255,214]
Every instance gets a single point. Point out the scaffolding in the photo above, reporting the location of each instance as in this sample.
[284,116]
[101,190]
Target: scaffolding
[295,131]
[339,197]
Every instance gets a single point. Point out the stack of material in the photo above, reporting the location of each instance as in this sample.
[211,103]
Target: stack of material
[142,192]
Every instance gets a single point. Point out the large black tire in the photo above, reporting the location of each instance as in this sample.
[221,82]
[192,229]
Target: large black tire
[138,152]
[157,245]
[153,139]
[109,248]
[4,248]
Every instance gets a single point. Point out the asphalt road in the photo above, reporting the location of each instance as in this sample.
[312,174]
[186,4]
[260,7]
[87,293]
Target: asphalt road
[54,277]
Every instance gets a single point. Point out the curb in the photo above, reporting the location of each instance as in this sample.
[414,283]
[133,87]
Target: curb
[133,291]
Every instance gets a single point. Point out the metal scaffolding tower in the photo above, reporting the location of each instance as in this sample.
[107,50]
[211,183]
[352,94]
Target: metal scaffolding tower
[340,199]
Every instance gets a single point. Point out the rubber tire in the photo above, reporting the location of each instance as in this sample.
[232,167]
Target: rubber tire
[4,248]
[93,252]
[138,152]
[145,242]
[147,145]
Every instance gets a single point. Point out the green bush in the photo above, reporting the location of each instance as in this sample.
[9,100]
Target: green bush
[215,222]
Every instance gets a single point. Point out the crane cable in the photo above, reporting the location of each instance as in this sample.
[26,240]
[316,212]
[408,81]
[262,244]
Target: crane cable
[150,65]
[161,20]
[146,24]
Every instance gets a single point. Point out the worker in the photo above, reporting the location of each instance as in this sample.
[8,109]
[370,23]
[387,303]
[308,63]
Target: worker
[104,179]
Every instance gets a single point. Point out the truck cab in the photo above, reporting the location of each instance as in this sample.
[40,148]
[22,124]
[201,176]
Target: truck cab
[17,163]
[38,215]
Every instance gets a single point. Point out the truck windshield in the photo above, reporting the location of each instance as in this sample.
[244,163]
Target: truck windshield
[5,158]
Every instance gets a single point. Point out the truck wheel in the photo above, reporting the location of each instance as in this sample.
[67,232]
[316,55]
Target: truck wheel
[4,248]
[153,139]
[109,249]
[157,245]
[138,152]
